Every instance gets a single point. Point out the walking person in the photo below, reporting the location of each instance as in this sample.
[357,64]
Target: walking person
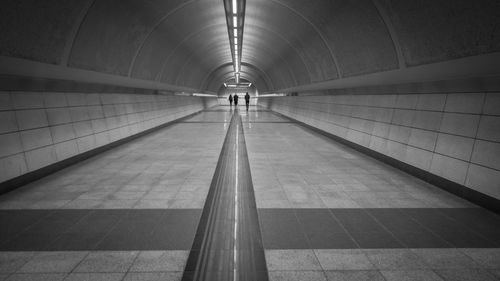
[247,100]
[235,98]
[230,100]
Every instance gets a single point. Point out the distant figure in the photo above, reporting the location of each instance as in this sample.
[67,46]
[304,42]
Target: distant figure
[235,100]
[247,100]
[230,100]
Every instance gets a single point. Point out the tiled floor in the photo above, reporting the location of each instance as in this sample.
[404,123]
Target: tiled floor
[171,168]
[326,211]
[293,167]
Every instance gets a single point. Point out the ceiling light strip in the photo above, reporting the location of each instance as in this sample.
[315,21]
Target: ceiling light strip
[234,17]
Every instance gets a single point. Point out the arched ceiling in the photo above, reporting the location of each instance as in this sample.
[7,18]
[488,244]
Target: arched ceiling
[286,43]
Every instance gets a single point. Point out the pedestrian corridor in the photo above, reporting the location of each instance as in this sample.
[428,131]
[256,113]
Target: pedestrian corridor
[228,194]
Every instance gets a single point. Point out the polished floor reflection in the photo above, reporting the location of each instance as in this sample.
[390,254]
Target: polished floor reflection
[325,211]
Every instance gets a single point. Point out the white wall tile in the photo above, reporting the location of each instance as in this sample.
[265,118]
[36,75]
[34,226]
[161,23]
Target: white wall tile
[98,125]
[29,119]
[58,116]
[460,124]
[83,128]
[54,100]
[455,146]
[36,138]
[86,143]
[465,103]
[489,128]
[76,99]
[66,150]
[449,168]
[40,157]
[487,154]
[5,101]
[109,110]
[10,144]
[102,139]
[492,104]
[423,139]
[407,101]
[399,133]
[93,99]
[383,114]
[381,130]
[12,166]
[418,157]
[8,122]
[62,133]
[79,113]
[403,117]
[95,112]
[427,120]
[484,180]
[434,102]
[25,100]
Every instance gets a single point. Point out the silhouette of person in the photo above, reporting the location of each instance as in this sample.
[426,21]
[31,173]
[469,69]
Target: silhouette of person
[235,98]
[230,100]
[247,100]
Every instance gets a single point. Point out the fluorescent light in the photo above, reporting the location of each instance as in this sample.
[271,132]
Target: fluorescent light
[235,32]
[235,21]
[235,8]
[203,95]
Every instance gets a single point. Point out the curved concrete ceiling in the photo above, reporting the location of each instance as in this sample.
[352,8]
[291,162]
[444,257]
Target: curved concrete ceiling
[286,43]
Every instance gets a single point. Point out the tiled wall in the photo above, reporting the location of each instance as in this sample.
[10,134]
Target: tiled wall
[39,129]
[455,136]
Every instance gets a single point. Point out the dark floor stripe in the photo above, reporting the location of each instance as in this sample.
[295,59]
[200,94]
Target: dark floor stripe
[228,243]
[271,122]
[198,122]
[86,230]
[379,228]
[169,229]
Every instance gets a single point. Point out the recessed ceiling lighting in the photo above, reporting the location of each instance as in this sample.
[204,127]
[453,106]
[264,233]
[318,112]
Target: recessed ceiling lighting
[235,8]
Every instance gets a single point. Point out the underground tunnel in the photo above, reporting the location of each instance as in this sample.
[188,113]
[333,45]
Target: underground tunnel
[367,147]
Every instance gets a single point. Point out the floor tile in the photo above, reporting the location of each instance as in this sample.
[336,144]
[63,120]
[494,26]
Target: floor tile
[328,240]
[279,260]
[156,276]
[486,258]
[354,275]
[445,258]
[95,277]
[421,239]
[384,259]
[53,262]
[106,262]
[150,261]
[374,240]
[297,276]
[465,274]
[11,261]
[410,275]
[36,277]
[343,260]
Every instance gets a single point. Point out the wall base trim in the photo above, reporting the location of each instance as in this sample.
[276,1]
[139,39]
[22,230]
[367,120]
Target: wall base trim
[462,191]
[32,176]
